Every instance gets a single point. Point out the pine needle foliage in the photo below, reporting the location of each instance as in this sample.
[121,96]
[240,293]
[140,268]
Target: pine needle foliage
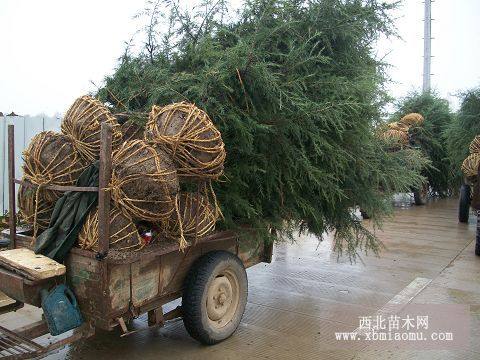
[294,89]
[465,126]
[430,136]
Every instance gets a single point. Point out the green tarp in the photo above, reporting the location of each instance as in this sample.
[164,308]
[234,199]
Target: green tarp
[68,217]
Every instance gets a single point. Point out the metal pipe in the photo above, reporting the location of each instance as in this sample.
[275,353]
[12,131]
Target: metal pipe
[427,42]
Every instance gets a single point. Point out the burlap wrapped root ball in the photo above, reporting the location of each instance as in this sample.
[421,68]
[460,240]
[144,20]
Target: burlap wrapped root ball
[123,232]
[51,159]
[190,137]
[144,181]
[131,131]
[470,165]
[82,123]
[412,119]
[34,209]
[189,205]
[475,145]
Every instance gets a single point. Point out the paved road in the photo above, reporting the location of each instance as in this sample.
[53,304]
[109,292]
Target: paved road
[298,302]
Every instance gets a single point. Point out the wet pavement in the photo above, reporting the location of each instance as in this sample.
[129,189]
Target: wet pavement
[306,294]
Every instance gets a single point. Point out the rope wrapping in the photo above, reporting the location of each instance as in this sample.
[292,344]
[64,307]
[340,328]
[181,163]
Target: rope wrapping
[398,126]
[190,137]
[123,232]
[470,165]
[475,145]
[188,207]
[82,123]
[51,159]
[34,210]
[144,182]
[412,119]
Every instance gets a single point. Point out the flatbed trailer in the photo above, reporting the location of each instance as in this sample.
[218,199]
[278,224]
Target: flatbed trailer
[112,288]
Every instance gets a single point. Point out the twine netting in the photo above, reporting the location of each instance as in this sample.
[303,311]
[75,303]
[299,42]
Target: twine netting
[470,165]
[398,126]
[36,215]
[144,181]
[131,131]
[51,159]
[82,123]
[412,119]
[475,145]
[123,232]
[189,205]
[190,137]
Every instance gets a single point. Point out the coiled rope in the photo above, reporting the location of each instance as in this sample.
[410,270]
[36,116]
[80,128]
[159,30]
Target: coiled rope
[190,137]
[82,123]
[124,237]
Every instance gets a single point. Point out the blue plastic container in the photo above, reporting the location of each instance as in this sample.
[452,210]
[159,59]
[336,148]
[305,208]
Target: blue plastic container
[61,310]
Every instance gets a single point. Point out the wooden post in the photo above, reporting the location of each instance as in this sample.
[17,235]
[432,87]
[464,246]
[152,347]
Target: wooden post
[105,171]
[11,185]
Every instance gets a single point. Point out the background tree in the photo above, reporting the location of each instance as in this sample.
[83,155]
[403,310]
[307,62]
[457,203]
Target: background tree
[295,91]
[430,136]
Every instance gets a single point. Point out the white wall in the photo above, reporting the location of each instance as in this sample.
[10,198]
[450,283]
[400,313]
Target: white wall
[26,127]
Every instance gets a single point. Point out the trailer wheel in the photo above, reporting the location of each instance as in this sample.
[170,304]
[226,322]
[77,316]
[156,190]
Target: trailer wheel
[464,204]
[214,297]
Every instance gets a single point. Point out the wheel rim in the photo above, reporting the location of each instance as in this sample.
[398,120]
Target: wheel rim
[222,299]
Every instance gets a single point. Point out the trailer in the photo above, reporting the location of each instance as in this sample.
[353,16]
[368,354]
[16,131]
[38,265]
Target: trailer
[113,288]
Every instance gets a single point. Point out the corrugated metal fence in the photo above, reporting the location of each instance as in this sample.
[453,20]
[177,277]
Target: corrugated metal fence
[26,127]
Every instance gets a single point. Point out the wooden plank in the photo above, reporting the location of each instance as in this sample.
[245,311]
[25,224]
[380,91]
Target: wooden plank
[105,172]
[11,185]
[36,265]
[145,281]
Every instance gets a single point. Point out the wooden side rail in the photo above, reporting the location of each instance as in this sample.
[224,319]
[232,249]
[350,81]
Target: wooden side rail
[58,187]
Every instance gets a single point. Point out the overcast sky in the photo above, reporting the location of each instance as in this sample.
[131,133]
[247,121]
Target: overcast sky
[52,51]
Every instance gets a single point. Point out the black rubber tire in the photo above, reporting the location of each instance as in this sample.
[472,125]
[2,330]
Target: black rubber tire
[194,299]
[464,204]
[419,198]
